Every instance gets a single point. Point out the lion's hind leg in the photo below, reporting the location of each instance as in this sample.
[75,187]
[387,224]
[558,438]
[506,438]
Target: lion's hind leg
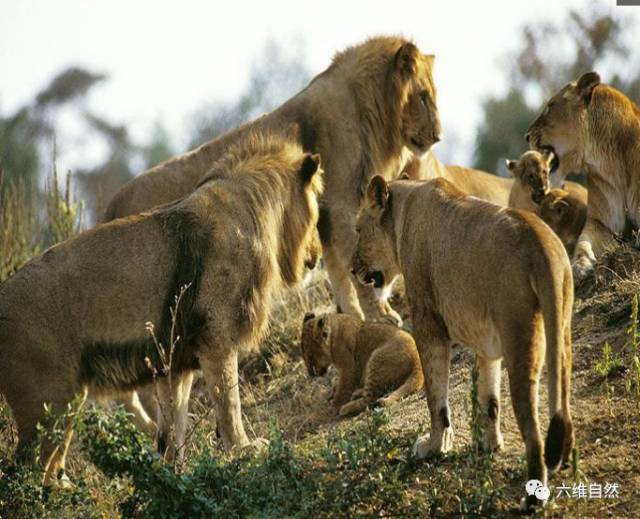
[523,356]
[56,461]
[29,411]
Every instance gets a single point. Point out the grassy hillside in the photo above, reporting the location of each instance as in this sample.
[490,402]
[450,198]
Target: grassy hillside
[319,466]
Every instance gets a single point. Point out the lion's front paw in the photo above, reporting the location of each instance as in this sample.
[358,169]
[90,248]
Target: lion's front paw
[258,444]
[250,446]
[582,268]
[583,263]
[436,444]
[62,482]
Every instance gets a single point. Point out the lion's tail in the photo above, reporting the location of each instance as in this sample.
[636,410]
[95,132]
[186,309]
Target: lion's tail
[554,290]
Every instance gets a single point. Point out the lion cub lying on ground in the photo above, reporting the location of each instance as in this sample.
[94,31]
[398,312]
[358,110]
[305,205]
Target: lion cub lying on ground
[532,183]
[371,358]
[566,214]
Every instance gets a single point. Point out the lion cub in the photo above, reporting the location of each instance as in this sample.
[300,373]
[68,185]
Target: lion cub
[532,183]
[566,214]
[531,175]
[371,358]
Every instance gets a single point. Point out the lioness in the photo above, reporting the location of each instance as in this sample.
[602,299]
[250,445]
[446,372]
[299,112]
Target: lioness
[470,181]
[566,214]
[73,319]
[371,358]
[428,231]
[366,114]
[594,128]
[532,181]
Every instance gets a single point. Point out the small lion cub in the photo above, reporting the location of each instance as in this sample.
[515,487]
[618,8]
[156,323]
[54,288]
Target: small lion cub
[531,175]
[566,214]
[371,359]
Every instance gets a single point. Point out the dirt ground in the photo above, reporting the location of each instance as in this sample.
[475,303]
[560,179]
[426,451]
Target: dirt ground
[606,410]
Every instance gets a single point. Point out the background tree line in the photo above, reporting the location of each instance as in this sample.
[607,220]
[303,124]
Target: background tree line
[548,55]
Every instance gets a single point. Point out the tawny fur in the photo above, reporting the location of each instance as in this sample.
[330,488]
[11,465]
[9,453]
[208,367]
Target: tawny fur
[531,173]
[429,232]
[566,214]
[72,320]
[474,182]
[366,114]
[371,359]
[595,128]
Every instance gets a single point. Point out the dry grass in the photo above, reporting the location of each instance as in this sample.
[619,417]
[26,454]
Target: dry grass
[277,393]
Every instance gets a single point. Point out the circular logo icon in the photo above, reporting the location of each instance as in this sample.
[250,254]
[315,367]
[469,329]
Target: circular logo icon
[542,493]
[532,485]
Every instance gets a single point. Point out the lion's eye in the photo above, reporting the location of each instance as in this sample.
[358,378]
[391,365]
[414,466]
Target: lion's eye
[423,98]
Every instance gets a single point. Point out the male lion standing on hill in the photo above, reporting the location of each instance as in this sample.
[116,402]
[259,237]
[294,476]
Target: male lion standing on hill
[594,128]
[366,114]
[73,319]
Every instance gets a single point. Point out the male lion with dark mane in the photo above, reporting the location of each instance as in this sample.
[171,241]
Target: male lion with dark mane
[73,319]
[428,231]
[366,114]
[594,128]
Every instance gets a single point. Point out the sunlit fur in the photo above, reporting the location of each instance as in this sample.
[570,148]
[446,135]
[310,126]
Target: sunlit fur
[531,174]
[372,359]
[595,128]
[72,320]
[362,115]
[566,214]
[494,279]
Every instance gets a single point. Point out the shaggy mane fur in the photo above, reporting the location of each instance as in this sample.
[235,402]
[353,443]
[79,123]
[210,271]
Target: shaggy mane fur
[379,94]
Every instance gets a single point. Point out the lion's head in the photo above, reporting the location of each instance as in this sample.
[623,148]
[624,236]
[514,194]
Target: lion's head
[395,95]
[375,260]
[565,213]
[532,171]
[420,122]
[315,345]
[561,126]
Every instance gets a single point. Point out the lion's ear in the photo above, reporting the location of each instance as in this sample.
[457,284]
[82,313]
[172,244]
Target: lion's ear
[378,192]
[308,316]
[310,165]
[586,83]
[511,165]
[406,59]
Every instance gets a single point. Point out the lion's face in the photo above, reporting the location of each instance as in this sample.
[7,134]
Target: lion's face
[532,170]
[421,126]
[374,261]
[314,344]
[559,128]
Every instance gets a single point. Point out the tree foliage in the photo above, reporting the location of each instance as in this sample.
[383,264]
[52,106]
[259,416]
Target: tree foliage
[551,54]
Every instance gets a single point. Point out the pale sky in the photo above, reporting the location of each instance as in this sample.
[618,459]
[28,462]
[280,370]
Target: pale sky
[164,59]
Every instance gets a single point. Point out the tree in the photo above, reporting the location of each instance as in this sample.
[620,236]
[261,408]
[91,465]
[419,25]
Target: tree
[550,55]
